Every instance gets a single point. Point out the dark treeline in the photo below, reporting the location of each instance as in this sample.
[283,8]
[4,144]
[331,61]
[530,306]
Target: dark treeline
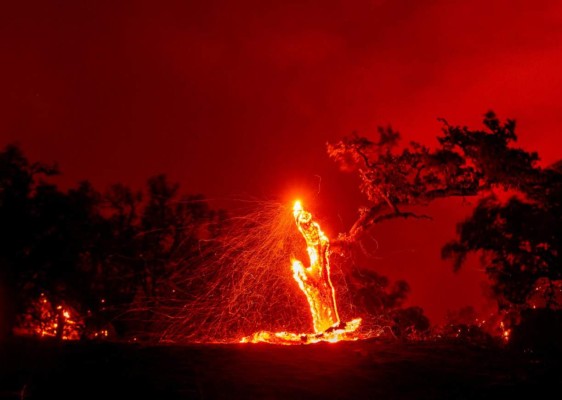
[105,255]
[95,253]
[120,261]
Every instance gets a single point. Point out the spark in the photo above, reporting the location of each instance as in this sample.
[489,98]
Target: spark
[241,285]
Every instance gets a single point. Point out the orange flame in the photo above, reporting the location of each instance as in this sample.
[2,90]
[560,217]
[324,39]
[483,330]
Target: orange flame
[315,280]
[317,286]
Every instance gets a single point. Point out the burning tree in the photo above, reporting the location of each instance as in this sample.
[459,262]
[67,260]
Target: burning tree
[315,281]
[316,284]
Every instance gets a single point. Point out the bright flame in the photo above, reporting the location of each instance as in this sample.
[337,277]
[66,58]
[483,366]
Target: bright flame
[315,280]
[317,286]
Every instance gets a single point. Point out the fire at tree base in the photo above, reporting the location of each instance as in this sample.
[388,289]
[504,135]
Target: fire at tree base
[342,331]
[315,283]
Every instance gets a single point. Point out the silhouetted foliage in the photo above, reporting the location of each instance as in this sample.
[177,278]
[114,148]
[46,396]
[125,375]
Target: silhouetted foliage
[21,223]
[409,322]
[374,294]
[464,164]
[380,303]
[516,223]
[539,331]
[95,253]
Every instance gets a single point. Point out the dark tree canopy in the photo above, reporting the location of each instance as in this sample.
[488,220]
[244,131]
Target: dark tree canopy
[464,163]
[516,223]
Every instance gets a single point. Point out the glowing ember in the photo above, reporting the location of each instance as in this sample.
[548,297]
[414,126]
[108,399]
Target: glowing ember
[316,284]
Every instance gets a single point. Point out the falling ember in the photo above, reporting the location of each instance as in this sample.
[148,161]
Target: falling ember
[315,283]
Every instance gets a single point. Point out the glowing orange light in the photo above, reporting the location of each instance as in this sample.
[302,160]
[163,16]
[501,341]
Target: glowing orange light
[45,319]
[505,332]
[315,280]
[315,283]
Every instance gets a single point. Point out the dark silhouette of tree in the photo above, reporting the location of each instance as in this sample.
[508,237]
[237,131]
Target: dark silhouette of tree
[19,179]
[516,223]
[464,163]
[374,293]
[45,234]
[91,253]
[517,230]
[109,268]
[172,232]
[381,303]
[66,227]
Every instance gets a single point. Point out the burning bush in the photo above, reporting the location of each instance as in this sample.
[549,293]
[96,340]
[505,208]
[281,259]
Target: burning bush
[43,318]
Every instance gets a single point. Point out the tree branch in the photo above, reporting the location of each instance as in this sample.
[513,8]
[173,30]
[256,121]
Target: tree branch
[370,218]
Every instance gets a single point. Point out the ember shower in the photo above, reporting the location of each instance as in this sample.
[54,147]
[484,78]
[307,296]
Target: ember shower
[247,290]
[315,282]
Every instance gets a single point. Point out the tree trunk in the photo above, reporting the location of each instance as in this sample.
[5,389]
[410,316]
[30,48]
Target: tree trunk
[314,280]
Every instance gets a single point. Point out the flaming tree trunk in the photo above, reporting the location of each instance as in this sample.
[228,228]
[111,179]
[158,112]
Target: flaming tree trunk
[314,280]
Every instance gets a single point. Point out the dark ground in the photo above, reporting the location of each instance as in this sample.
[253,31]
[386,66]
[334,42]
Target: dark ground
[44,370]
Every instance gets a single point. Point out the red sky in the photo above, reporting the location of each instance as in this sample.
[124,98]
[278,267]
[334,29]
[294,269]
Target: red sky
[239,98]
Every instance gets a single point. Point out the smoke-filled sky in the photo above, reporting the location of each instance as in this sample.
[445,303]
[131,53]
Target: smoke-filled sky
[238,98]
